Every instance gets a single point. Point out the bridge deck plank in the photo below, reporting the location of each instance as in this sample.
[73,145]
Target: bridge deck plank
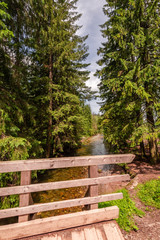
[108,230]
[57,223]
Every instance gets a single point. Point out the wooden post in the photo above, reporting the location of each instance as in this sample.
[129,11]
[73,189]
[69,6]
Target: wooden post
[93,190]
[24,199]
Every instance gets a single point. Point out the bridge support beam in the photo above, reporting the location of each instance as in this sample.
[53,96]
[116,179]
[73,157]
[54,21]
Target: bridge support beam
[93,190]
[24,199]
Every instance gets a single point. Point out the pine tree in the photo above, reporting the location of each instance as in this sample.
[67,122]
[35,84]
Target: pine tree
[14,68]
[59,53]
[129,74]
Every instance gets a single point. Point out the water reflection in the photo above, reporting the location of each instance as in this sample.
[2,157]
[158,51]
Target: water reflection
[94,146]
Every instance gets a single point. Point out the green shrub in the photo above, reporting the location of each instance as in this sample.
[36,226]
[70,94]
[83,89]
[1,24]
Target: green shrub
[149,193]
[127,210]
[12,148]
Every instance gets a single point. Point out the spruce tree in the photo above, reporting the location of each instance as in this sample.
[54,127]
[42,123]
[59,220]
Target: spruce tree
[129,75]
[59,53]
[14,67]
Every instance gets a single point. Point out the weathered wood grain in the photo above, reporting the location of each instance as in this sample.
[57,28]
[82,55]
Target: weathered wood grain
[62,184]
[78,235]
[51,224]
[93,190]
[100,233]
[24,198]
[12,212]
[52,163]
[90,233]
[111,231]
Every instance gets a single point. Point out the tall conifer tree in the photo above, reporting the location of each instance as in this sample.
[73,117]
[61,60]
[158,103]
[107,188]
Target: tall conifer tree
[130,73]
[59,53]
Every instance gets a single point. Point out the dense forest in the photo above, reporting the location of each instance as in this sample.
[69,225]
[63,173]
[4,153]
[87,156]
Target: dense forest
[43,92]
[42,79]
[130,75]
[43,74]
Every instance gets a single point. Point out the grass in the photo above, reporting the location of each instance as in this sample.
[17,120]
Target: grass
[149,193]
[127,211]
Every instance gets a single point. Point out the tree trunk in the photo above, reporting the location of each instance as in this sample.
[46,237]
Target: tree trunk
[152,142]
[142,149]
[49,131]
[142,146]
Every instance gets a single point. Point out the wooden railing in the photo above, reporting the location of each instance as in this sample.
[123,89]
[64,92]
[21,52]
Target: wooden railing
[24,190]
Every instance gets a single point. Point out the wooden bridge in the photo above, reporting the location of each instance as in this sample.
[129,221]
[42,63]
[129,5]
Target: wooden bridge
[94,224]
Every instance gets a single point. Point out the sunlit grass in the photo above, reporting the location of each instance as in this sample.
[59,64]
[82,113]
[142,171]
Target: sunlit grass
[127,211]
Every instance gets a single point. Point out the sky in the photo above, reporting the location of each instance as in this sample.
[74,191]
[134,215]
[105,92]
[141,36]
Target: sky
[92,17]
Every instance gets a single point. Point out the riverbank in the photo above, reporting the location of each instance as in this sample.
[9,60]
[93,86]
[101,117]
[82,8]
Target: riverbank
[141,171]
[87,140]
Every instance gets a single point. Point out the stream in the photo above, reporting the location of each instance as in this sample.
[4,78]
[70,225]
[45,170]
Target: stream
[94,146]
[90,146]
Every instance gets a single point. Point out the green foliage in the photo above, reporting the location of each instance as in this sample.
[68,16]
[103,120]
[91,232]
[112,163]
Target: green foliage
[42,82]
[9,179]
[129,74]
[58,55]
[95,124]
[9,202]
[43,85]
[127,210]
[4,31]
[14,148]
[149,193]
[87,120]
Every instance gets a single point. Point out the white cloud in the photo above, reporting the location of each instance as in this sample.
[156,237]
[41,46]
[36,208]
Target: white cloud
[93,82]
[92,17]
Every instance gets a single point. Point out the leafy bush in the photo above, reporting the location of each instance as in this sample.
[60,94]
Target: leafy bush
[12,148]
[149,193]
[127,210]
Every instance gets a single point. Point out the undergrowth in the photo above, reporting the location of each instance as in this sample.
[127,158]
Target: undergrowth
[127,210]
[149,193]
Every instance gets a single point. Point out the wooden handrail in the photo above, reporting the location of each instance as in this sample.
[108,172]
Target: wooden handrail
[26,166]
[12,212]
[52,163]
[61,184]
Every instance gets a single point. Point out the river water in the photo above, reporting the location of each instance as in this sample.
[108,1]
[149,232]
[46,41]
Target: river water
[91,146]
[94,146]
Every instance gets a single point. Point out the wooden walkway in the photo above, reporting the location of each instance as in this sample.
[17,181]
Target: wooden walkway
[100,231]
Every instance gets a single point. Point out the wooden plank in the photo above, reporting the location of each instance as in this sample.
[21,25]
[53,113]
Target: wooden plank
[55,237]
[93,190]
[12,212]
[100,233]
[59,238]
[52,163]
[51,224]
[90,233]
[24,198]
[78,235]
[119,231]
[111,231]
[62,184]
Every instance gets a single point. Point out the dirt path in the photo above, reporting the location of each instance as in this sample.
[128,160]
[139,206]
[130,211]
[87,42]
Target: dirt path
[149,225]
